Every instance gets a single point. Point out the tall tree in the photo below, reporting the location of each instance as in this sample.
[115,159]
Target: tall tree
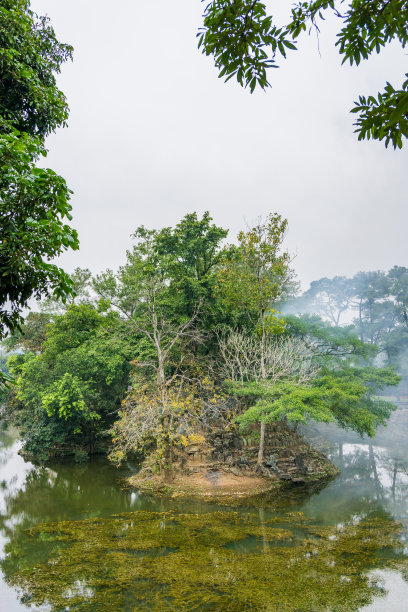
[164,289]
[254,369]
[163,292]
[331,297]
[255,276]
[34,202]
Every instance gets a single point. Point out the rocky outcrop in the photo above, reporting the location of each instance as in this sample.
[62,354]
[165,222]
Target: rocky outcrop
[288,457]
[226,464]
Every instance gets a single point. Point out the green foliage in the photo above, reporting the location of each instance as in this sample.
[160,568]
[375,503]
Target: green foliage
[296,403]
[166,291]
[191,254]
[31,335]
[81,283]
[239,35]
[255,274]
[30,56]
[189,315]
[34,202]
[69,393]
[4,377]
[327,340]
[384,117]
[346,396]
[65,398]
[244,42]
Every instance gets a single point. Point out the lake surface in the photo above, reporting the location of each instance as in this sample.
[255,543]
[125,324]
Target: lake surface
[72,538]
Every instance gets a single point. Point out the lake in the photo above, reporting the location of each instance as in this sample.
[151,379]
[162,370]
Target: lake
[74,538]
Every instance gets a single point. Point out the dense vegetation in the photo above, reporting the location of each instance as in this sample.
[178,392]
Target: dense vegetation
[34,201]
[188,330]
[377,304]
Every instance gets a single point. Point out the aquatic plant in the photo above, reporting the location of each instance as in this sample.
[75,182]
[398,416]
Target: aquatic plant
[214,561]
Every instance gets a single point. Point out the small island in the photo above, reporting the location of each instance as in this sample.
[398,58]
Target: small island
[192,361]
[225,468]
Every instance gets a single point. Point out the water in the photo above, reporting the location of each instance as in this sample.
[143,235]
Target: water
[344,547]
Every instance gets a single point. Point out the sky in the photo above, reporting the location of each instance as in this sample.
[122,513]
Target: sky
[153,135]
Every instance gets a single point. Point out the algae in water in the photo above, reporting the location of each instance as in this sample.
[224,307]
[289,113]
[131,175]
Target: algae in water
[214,561]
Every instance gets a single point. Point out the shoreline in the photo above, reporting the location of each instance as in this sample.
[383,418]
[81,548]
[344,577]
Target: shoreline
[204,487]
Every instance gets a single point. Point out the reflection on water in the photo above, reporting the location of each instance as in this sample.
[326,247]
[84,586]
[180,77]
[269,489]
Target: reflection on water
[342,548]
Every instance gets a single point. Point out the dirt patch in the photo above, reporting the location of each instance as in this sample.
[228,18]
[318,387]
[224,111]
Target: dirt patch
[206,484]
[226,466]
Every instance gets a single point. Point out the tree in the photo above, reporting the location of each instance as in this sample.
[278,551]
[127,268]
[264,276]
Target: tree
[81,282]
[34,202]
[140,428]
[191,251]
[346,395]
[331,297]
[33,205]
[166,294]
[254,369]
[31,336]
[161,291]
[69,394]
[245,42]
[255,275]
[141,293]
[328,341]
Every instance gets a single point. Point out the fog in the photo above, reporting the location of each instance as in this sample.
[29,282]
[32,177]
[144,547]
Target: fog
[154,134]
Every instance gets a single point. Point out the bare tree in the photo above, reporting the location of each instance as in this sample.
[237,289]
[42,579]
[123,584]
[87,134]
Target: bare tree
[246,359]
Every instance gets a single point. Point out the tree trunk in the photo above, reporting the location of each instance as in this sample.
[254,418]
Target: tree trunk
[261,444]
[360,306]
[168,462]
[263,376]
[263,369]
[161,380]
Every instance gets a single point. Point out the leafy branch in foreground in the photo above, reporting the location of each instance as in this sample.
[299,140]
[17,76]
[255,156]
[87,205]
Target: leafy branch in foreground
[384,117]
[34,202]
[244,42]
[240,37]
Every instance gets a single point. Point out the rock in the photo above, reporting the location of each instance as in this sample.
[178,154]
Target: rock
[300,464]
[235,471]
[262,470]
[243,462]
[272,464]
[299,461]
[191,450]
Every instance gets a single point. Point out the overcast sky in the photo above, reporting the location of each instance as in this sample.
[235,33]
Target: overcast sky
[154,134]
